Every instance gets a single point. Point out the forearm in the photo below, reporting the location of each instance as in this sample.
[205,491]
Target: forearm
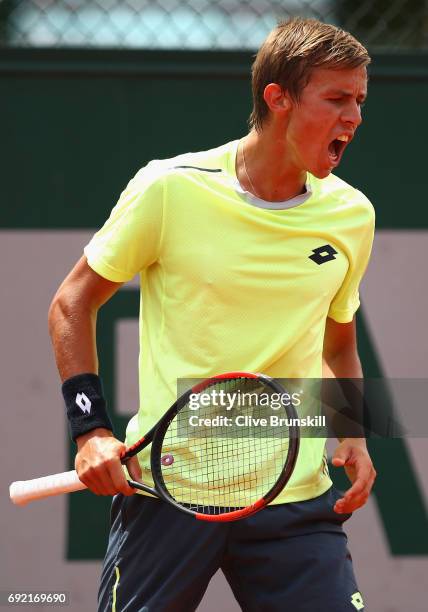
[72,328]
[346,421]
[343,403]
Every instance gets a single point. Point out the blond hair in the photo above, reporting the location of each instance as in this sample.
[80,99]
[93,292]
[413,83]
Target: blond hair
[290,53]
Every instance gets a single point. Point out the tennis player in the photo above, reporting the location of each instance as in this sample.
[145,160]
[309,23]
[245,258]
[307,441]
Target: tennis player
[250,257]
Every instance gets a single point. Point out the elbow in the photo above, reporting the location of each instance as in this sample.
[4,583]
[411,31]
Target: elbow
[68,307]
[342,364]
[59,310]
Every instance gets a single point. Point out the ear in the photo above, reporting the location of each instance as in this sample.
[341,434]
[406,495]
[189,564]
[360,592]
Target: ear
[277,100]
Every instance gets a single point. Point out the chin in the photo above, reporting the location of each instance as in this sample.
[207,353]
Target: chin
[321,173]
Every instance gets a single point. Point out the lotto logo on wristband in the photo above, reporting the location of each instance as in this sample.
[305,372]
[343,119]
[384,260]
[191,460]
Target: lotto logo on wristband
[84,403]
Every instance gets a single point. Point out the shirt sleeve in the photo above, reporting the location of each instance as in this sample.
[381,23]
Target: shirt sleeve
[347,299]
[129,241]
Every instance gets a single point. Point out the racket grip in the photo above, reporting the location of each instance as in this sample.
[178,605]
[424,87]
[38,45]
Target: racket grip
[23,491]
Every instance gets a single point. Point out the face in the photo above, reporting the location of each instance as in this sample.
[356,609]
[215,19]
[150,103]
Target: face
[323,123]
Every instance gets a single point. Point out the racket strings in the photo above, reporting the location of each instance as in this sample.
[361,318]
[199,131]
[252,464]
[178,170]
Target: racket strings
[223,467]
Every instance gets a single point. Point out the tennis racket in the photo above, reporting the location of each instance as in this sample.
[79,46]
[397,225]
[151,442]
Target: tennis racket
[223,451]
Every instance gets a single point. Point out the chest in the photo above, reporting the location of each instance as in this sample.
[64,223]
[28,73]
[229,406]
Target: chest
[237,260]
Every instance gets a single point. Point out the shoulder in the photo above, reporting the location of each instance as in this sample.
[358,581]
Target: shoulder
[209,162]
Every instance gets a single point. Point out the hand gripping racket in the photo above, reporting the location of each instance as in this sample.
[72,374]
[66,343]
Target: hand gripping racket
[223,451]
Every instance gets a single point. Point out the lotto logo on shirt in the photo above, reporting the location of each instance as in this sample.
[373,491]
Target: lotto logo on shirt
[323,254]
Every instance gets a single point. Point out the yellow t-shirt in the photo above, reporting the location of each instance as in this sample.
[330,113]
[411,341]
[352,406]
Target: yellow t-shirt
[230,282]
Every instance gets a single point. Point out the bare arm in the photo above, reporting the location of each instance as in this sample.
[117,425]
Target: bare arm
[73,316]
[341,360]
[340,353]
[72,327]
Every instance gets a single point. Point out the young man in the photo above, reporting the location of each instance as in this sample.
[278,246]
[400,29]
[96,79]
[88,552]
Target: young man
[250,257]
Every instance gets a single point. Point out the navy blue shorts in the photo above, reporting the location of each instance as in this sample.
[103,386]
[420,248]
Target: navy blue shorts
[287,558]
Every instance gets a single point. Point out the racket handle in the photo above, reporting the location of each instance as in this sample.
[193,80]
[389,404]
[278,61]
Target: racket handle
[23,491]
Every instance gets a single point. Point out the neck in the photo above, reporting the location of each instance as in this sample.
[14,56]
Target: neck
[264,167]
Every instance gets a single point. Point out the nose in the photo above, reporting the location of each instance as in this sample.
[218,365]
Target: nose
[352,114]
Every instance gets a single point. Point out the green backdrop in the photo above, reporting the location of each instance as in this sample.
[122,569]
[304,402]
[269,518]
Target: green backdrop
[77,124]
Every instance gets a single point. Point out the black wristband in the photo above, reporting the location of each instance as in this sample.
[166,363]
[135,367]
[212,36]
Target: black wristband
[85,403]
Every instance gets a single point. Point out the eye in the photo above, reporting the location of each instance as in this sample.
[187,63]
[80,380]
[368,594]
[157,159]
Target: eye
[335,101]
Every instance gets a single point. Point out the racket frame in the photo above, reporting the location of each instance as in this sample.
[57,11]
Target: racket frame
[156,437]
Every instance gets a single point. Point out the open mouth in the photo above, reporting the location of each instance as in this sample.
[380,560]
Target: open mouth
[336,149]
